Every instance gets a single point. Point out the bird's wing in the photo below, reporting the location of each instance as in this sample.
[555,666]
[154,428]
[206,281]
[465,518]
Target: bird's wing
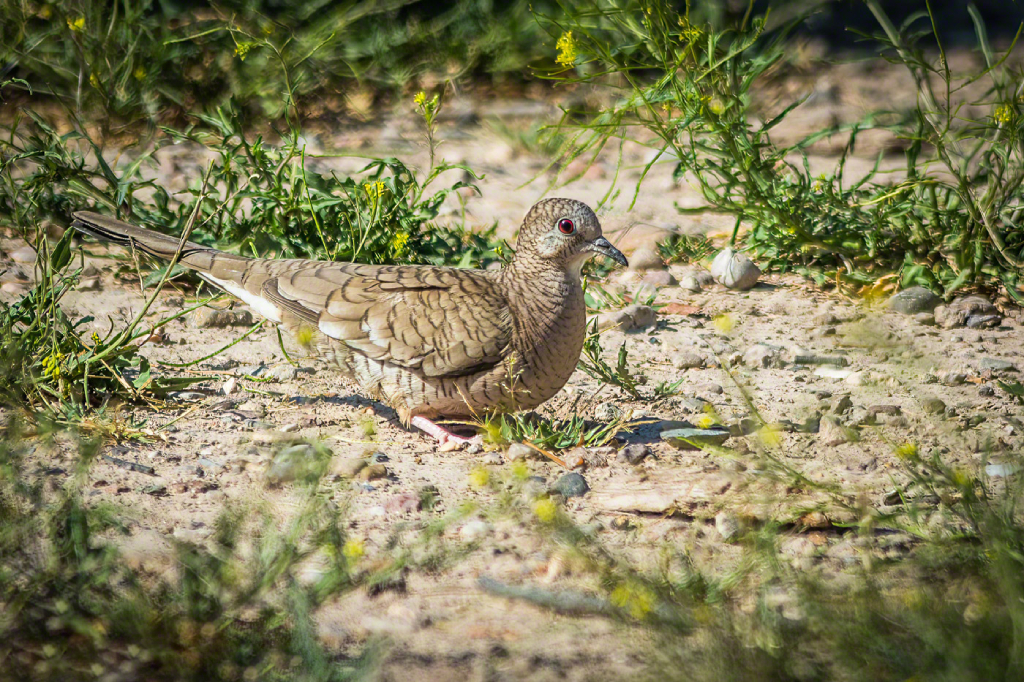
[441,321]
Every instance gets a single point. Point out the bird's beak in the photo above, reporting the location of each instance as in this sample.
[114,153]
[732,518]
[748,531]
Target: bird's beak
[605,248]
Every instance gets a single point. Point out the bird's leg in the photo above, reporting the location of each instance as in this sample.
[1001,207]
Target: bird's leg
[445,438]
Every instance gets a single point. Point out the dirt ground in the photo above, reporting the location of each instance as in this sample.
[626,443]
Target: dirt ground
[891,366]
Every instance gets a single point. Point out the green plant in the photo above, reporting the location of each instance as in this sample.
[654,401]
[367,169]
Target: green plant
[48,366]
[687,92]
[557,434]
[597,367]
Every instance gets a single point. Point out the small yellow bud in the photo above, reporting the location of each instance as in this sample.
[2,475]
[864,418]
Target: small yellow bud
[76,24]
[545,510]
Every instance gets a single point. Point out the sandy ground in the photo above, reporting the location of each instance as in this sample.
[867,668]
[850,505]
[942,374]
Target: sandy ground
[443,626]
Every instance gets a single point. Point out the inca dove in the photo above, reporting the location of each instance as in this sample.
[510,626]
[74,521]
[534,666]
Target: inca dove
[429,341]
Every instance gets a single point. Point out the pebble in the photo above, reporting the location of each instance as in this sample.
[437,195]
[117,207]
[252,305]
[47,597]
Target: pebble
[659,278]
[925,319]
[832,372]
[986,391]
[952,378]
[734,270]
[832,433]
[933,406]
[975,312]
[646,258]
[89,284]
[283,373]
[229,386]
[630,318]
[16,288]
[474,531]
[765,356]
[1000,470]
[914,300]
[688,359]
[491,458]
[607,412]
[26,255]
[690,283]
[571,484]
[211,317]
[634,454]
[518,451]
[841,404]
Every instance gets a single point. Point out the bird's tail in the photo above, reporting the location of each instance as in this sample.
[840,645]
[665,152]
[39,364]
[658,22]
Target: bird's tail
[202,259]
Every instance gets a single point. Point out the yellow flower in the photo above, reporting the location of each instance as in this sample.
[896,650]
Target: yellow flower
[689,31]
[1003,114]
[724,323]
[566,49]
[907,452]
[353,550]
[76,24]
[45,12]
[635,598]
[479,477]
[545,510]
[420,99]
[399,241]
[242,49]
[139,73]
[95,339]
[52,365]
[94,81]
[705,421]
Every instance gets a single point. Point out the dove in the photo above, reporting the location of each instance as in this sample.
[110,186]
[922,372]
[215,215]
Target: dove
[431,342]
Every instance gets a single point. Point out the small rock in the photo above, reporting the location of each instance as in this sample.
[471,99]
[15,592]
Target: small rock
[229,386]
[914,300]
[210,317]
[659,278]
[690,283]
[833,372]
[688,359]
[646,258]
[997,365]
[518,451]
[622,523]
[933,406]
[858,379]
[571,484]
[283,373]
[734,270]
[491,458]
[474,531]
[968,311]
[26,255]
[986,391]
[925,319]
[607,412]
[634,454]
[887,410]
[292,463]
[764,355]
[15,288]
[841,404]
[832,433]
[89,284]
[1000,470]
[630,318]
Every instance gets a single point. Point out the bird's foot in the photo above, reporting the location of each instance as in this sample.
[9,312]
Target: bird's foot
[446,440]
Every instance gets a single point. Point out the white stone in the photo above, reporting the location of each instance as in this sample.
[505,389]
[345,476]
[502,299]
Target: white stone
[734,270]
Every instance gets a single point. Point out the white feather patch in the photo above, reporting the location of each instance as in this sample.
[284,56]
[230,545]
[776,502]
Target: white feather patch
[260,305]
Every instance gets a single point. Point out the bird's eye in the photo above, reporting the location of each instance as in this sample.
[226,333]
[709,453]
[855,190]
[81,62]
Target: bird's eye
[566,226]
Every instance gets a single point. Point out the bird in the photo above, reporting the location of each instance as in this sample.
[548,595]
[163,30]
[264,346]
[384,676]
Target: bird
[431,342]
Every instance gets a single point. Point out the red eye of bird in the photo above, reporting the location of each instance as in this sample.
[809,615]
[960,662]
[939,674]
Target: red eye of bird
[566,226]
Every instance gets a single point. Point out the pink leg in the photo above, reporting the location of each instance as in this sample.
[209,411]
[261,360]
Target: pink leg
[445,438]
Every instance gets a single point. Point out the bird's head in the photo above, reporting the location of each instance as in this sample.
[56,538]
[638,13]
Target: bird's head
[566,233]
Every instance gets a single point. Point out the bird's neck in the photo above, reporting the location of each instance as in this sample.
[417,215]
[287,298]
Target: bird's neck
[546,300]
